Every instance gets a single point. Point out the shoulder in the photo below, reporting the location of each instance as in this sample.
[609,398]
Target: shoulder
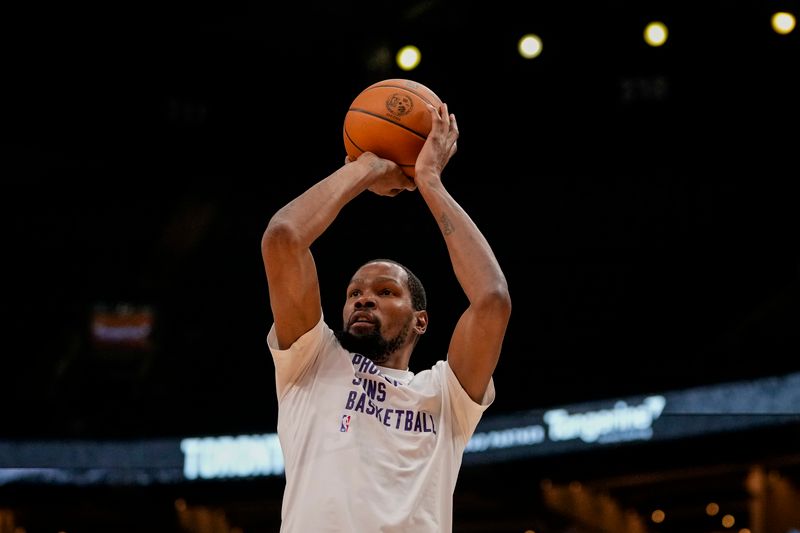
[321,333]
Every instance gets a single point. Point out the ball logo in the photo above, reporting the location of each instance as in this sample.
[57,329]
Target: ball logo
[399,104]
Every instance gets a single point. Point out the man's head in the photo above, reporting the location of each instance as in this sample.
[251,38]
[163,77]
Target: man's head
[384,313]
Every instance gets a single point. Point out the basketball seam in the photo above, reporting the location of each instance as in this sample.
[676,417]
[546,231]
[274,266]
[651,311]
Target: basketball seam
[362,150]
[370,113]
[352,141]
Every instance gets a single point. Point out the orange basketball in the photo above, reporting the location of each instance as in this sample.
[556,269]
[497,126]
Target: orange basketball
[390,118]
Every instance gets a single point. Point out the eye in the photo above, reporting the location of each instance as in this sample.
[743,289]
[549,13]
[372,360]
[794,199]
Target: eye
[385,292]
[354,293]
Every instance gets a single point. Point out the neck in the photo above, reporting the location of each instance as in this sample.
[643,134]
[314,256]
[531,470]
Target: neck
[398,359]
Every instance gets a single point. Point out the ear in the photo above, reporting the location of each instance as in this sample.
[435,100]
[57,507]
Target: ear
[420,321]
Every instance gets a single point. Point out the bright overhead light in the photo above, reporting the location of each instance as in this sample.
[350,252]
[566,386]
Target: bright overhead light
[408,57]
[529,46]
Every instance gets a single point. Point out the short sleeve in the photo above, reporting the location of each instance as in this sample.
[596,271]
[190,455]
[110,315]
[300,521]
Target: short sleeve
[291,364]
[466,412]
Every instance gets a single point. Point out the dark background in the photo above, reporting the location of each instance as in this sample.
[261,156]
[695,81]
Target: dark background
[641,201]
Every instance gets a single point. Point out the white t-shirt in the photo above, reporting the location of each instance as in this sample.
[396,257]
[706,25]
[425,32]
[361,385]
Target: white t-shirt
[366,448]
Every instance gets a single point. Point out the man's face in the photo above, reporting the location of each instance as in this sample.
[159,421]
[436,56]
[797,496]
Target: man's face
[377,313]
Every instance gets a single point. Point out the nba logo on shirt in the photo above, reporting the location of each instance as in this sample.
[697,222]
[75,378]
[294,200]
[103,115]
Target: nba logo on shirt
[345,425]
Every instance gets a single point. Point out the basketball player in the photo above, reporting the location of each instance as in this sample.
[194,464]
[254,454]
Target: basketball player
[368,445]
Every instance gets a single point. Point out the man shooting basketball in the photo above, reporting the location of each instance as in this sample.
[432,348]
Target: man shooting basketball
[368,445]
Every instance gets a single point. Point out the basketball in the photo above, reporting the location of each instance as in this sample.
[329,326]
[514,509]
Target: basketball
[390,118]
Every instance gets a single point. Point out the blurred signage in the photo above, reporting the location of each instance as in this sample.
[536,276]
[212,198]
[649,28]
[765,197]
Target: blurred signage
[122,326]
[225,457]
[575,428]
[680,414]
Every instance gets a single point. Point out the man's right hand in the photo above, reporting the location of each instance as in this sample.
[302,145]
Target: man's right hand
[388,178]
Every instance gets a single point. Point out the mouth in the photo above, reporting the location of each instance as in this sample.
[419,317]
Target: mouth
[361,319]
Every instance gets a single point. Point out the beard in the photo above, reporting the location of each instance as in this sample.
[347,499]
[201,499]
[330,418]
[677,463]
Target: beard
[373,345]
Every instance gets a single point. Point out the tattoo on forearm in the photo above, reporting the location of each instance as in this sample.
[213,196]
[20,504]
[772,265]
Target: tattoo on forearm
[447,226]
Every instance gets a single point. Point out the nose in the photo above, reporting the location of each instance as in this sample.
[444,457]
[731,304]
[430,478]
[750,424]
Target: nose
[365,301]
